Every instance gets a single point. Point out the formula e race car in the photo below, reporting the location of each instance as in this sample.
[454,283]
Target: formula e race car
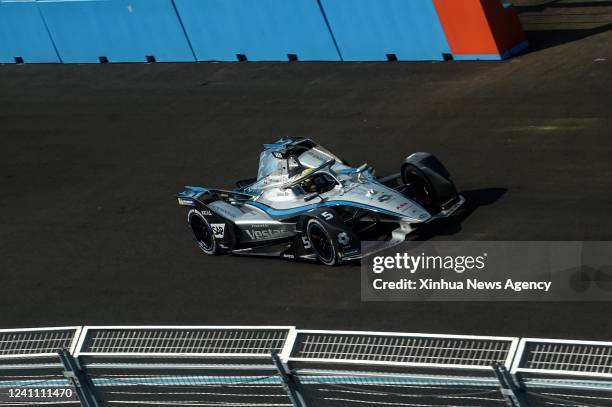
[306,203]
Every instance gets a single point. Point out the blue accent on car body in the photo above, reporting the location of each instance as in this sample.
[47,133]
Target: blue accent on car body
[198,189]
[273,146]
[283,142]
[192,192]
[292,211]
[349,170]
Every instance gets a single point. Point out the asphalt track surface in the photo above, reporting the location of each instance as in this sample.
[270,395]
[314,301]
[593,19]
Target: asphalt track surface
[92,155]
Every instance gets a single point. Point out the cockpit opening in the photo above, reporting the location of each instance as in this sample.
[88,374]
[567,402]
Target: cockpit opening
[319,183]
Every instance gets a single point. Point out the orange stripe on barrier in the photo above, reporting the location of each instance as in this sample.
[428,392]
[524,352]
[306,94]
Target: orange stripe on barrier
[479,26]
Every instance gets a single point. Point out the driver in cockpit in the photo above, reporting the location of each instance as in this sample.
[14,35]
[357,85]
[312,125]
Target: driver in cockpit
[316,183]
[296,170]
[309,185]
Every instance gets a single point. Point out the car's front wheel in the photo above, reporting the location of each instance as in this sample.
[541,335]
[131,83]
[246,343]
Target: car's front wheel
[419,185]
[203,233]
[322,243]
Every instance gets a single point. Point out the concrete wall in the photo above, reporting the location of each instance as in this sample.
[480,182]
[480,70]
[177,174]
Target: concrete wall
[119,30]
[93,31]
[23,34]
[261,30]
[369,30]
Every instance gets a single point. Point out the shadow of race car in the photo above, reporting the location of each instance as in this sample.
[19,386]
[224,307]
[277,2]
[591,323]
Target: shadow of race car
[308,204]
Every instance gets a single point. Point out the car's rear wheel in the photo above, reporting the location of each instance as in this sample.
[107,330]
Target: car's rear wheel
[203,233]
[322,243]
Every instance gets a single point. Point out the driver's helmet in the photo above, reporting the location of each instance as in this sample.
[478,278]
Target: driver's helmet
[309,184]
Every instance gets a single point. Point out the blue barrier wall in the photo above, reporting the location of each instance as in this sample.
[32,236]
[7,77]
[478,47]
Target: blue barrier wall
[262,30]
[91,31]
[23,33]
[368,30]
[120,30]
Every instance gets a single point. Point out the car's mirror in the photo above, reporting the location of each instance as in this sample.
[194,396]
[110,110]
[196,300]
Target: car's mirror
[362,168]
[311,196]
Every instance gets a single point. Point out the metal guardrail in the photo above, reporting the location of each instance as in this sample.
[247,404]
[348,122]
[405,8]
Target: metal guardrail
[234,366]
[211,341]
[576,373]
[40,342]
[563,357]
[403,350]
[29,360]
[353,368]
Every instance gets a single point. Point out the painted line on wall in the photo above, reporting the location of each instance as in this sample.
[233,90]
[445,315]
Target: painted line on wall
[331,32]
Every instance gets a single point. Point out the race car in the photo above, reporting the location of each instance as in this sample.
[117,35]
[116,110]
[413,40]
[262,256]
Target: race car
[308,204]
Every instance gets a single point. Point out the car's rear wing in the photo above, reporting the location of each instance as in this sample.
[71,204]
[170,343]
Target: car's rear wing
[192,195]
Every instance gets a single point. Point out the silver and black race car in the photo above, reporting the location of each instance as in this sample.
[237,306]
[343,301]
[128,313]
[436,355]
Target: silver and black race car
[306,203]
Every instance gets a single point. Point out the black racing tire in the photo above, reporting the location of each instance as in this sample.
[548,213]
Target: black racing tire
[325,247]
[202,233]
[424,192]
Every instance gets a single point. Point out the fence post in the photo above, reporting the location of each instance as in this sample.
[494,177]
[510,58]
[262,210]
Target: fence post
[514,395]
[83,385]
[289,382]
